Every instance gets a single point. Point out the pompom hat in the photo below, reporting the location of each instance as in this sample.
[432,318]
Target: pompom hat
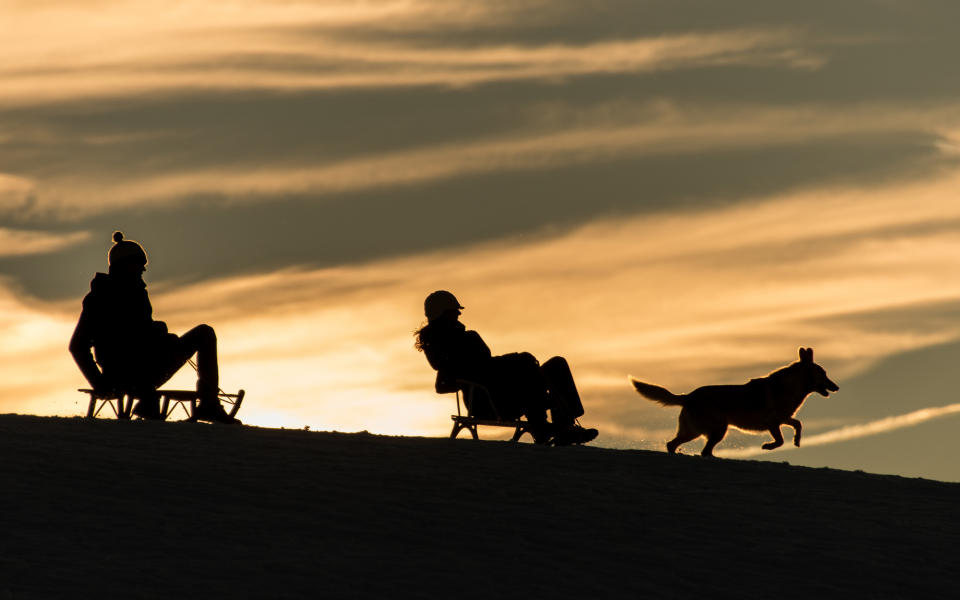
[125,250]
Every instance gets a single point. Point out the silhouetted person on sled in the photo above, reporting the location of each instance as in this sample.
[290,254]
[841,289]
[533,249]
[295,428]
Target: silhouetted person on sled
[134,353]
[518,384]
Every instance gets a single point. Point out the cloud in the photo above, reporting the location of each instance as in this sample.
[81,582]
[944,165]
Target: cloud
[253,60]
[658,129]
[15,242]
[853,432]
[15,192]
[36,373]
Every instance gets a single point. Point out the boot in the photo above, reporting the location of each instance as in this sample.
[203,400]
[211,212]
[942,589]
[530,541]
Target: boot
[212,410]
[574,434]
[148,407]
[542,433]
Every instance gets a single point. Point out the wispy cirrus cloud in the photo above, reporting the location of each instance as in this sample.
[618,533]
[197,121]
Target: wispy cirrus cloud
[651,130]
[267,60]
[853,432]
[15,191]
[19,242]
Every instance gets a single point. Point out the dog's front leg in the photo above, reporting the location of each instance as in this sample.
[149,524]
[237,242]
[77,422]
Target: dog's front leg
[777,439]
[796,430]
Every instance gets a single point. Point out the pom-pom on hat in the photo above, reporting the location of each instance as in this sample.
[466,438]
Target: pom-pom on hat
[125,251]
[438,303]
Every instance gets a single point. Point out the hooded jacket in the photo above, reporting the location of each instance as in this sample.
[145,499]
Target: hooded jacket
[117,322]
[455,352]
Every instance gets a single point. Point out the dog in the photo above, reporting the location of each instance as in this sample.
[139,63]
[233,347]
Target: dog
[763,404]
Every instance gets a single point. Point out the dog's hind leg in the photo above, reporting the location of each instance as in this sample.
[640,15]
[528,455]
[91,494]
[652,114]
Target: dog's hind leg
[713,438]
[796,430]
[777,439]
[685,433]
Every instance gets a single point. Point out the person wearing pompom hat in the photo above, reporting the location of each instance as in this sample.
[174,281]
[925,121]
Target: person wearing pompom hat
[132,352]
[519,384]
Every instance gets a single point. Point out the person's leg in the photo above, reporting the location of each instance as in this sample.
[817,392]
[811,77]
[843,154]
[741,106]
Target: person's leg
[563,397]
[565,404]
[521,390]
[202,341]
[520,387]
[148,403]
[135,376]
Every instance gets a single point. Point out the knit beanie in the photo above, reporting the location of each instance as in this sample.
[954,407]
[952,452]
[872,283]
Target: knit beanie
[125,250]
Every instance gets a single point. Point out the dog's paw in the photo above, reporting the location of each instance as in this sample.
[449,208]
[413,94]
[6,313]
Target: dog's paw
[770,445]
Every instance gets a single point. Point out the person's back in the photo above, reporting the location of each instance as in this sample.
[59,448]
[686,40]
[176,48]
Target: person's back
[454,352]
[117,320]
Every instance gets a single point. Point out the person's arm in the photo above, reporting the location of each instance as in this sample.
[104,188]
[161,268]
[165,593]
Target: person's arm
[474,348]
[159,329]
[80,345]
[438,359]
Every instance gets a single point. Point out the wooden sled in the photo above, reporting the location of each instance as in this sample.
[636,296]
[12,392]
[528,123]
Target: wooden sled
[471,395]
[122,402]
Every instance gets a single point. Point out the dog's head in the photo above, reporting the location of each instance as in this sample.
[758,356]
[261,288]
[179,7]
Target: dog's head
[816,376]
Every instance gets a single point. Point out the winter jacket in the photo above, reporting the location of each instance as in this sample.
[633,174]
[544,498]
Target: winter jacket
[455,352]
[117,322]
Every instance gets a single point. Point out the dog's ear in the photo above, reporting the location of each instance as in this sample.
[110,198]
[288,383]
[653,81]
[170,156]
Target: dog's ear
[806,354]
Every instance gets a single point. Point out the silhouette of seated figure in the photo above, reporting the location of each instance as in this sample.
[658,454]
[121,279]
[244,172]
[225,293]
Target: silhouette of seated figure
[133,353]
[518,384]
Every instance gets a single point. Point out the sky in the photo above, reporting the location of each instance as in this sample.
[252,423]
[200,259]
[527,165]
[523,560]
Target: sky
[686,192]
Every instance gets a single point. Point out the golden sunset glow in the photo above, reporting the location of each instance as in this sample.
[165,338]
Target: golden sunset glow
[647,193]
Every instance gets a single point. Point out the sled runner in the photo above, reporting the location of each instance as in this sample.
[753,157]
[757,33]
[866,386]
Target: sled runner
[476,398]
[121,402]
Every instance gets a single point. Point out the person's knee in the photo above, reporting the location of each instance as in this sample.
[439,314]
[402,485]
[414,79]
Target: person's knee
[206,332]
[527,358]
[557,361]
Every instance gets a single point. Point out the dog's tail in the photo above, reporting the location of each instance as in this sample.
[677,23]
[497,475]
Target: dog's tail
[657,393]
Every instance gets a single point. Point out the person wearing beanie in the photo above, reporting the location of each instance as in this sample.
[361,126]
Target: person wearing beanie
[519,384]
[132,353]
